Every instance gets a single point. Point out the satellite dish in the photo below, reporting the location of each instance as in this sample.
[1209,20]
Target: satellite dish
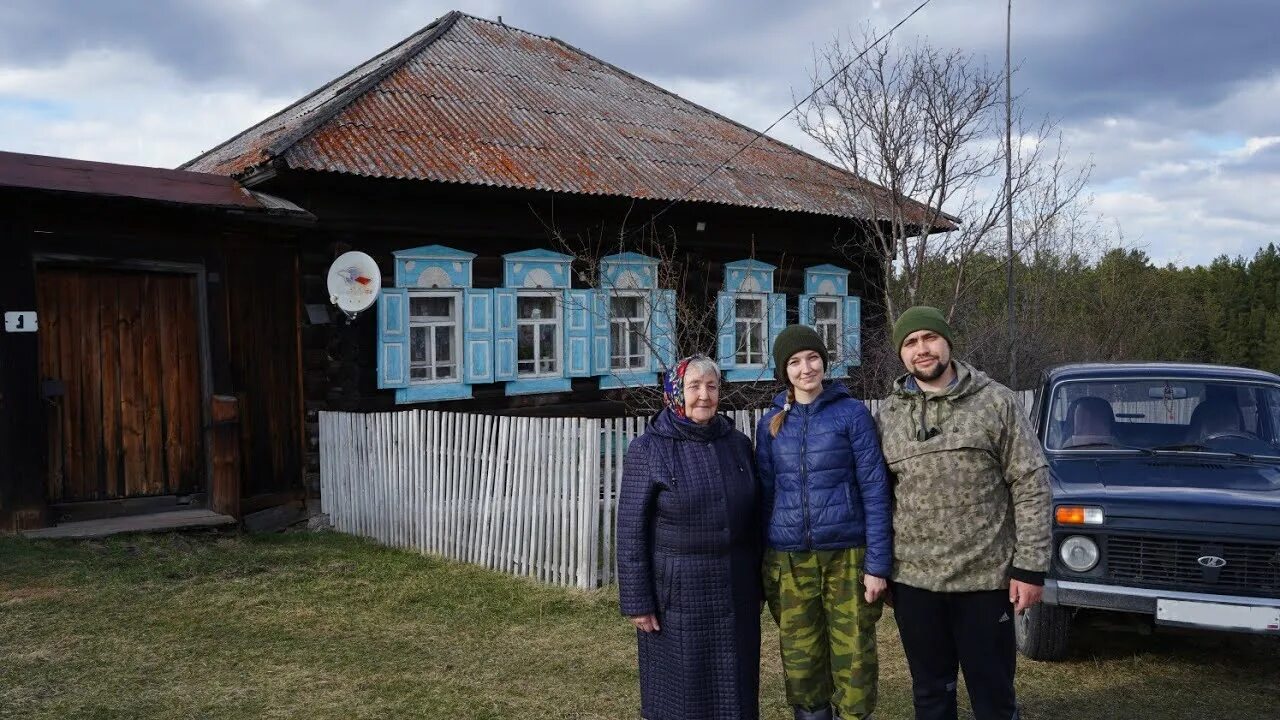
[354,282]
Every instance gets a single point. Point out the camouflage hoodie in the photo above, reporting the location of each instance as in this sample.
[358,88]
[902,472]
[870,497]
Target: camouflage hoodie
[971,502]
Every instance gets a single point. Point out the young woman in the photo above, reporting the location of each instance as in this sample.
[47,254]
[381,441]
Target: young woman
[689,556]
[829,551]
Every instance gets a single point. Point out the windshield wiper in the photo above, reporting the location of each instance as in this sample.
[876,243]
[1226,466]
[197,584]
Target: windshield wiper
[1201,447]
[1105,444]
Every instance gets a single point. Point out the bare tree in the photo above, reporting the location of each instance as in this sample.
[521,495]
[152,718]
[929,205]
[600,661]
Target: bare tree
[696,321]
[924,127]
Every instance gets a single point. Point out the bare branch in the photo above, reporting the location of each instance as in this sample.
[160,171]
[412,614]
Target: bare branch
[925,128]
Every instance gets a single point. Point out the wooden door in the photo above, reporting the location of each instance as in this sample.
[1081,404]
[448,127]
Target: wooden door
[120,357]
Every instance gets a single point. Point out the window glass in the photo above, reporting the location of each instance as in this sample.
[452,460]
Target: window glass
[750,330]
[628,332]
[433,326]
[826,320]
[1192,415]
[537,308]
[425,308]
[537,333]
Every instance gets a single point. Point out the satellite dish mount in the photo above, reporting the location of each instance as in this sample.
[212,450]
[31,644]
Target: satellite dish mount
[354,282]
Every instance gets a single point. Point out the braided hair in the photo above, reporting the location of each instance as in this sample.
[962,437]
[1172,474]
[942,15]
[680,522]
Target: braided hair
[775,425]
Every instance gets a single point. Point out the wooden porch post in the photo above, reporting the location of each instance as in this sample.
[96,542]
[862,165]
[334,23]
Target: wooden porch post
[224,446]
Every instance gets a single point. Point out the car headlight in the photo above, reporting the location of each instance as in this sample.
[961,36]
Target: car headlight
[1079,553]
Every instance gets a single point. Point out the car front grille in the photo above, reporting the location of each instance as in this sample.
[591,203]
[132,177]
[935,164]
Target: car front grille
[1174,563]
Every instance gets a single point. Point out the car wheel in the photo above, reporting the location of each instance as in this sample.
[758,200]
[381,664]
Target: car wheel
[1042,631]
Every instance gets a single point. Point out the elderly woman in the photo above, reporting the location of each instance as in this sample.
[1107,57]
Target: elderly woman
[689,548]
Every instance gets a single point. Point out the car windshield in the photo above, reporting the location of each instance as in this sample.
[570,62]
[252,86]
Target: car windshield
[1165,415]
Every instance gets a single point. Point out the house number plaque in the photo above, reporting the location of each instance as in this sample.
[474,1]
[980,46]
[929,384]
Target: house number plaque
[16,322]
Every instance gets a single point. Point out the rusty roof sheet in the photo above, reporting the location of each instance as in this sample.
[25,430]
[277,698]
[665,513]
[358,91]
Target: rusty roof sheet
[56,174]
[466,100]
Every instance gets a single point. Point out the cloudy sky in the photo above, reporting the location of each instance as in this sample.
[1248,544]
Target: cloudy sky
[1176,103]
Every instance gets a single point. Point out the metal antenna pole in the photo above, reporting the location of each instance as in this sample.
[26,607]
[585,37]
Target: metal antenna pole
[1008,189]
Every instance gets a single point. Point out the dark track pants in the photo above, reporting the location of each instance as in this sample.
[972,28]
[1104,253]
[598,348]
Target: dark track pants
[942,632]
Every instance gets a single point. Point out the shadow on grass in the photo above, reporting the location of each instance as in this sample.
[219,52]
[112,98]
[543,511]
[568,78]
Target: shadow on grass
[1110,636]
[1119,668]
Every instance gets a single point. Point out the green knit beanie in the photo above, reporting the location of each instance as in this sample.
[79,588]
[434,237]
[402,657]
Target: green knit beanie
[792,340]
[920,317]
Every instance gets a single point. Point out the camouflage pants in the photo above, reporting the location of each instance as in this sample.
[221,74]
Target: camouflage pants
[826,627]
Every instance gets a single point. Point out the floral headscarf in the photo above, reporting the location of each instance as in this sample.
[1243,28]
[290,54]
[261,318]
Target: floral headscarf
[673,387]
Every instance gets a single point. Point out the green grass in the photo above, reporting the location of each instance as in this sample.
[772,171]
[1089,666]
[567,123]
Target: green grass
[328,626]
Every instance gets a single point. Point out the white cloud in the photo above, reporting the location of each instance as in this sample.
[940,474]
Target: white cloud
[118,106]
[1185,161]
[636,14]
[1255,145]
[1190,212]
[744,102]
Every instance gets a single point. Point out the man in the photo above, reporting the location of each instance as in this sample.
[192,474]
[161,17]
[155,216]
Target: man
[971,521]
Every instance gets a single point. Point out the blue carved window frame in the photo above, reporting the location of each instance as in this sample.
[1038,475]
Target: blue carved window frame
[434,270]
[747,279]
[488,322]
[831,283]
[541,273]
[630,274]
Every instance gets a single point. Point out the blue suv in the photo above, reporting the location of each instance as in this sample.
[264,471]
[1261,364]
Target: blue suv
[1166,498]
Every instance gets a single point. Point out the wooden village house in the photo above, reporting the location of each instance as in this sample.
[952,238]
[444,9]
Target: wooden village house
[551,232]
[137,304]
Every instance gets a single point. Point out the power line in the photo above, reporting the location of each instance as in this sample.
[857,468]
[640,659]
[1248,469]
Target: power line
[784,116]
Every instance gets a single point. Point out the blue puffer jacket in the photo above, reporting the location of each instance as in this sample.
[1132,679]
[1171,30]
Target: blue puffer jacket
[825,482]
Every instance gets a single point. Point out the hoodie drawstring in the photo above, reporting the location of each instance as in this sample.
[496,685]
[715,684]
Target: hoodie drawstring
[925,432]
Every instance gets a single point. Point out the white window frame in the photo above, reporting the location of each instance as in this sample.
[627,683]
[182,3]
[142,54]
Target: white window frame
[557,298]
[836,325]
[456,297]
[738,335]
[645,310]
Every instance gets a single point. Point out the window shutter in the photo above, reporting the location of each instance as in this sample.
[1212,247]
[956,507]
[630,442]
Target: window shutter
[504,334]
[851,333]
[777,321]
[477,337]
[663,331]
[393,338]
[578,308]
[600,350]
[806,310]
[726,341]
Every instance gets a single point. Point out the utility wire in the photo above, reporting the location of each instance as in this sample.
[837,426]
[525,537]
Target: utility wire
[784,116]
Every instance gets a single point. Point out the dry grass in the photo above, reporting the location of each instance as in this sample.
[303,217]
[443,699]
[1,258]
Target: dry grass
[327,626]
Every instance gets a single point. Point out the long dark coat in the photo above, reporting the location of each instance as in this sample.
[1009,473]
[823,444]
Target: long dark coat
[689,549]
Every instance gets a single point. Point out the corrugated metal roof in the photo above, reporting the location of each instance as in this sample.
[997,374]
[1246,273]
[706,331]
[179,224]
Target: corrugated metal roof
[56,174]
[466,100]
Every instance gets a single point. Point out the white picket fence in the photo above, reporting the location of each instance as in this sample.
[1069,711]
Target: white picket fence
[533,497]
[526,496]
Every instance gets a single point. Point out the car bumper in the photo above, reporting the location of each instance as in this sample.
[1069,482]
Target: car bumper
[1146,601]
